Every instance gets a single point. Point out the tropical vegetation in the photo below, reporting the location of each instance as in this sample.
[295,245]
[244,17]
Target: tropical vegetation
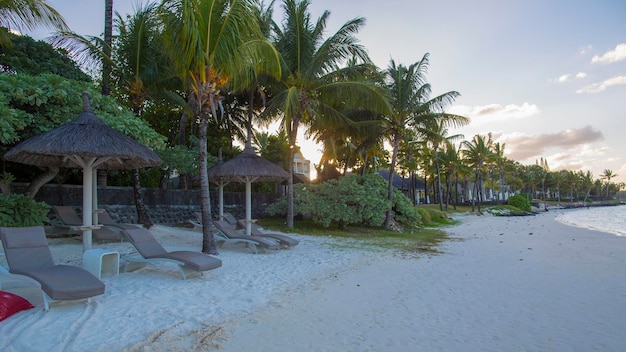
[195,79]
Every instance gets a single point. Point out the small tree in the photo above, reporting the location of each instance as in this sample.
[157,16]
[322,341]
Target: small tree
[520,202]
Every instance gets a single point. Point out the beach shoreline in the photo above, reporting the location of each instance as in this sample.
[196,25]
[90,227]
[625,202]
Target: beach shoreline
[502,283]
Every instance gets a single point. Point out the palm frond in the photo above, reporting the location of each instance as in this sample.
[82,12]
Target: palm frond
[87,51]
[29,15]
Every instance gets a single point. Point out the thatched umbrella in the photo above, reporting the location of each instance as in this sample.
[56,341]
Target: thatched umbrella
[86,143]
[246,167]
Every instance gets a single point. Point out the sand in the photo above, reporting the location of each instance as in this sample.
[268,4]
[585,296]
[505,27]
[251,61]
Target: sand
[502,284]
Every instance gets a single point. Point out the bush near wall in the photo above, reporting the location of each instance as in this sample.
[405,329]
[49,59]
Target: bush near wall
[17,210]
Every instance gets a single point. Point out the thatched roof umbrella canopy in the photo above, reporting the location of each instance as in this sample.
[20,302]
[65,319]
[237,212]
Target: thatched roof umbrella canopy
[86,143]
[246,167]
[84,138]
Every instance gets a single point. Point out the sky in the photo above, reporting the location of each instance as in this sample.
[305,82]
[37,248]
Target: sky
[545,77]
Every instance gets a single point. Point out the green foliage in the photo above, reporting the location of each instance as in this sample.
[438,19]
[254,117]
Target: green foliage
[277,149]
[403,210]
[17,210]
[28,56]
[347,201]
[506,210]
[520,202]
[30,105]
[182,159]
[430,216]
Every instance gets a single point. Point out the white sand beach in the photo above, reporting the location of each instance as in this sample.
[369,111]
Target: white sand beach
[503,284]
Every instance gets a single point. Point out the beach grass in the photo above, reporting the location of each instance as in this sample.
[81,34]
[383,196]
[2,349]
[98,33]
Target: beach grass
[423,240]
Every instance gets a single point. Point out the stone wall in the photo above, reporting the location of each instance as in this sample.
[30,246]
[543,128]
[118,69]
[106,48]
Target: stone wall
[172,207]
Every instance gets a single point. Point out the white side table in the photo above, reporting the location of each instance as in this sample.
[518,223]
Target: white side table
[101,262]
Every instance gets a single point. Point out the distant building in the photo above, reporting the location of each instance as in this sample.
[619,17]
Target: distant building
[404,185]
[301,167]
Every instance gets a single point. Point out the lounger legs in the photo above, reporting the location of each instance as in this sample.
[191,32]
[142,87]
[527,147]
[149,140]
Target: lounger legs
[132,266]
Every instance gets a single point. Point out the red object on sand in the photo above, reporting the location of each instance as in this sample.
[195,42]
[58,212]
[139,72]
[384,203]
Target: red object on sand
[11,304]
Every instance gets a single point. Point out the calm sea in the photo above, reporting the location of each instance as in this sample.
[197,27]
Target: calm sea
[606,219]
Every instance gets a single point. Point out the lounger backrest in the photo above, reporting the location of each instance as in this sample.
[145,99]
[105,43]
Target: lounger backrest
[106,219]
[230,218]
[144,242]
[26,247]
[226,228]
[254,230]
[67,214]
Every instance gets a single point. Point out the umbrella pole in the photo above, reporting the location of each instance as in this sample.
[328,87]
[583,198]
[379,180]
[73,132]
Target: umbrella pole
[87,205]
[248,206]
[94,197]
[221,195]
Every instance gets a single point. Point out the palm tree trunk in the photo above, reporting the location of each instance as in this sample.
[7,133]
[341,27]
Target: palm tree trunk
[479,187]
[108,40]
[456,189]
[392,167]
[292,151]
[438,179]
[142,215]
[425,187]
[208,241]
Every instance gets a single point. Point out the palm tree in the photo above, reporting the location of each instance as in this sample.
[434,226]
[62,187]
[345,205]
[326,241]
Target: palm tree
[453,167]
[411,106]
[478,152]
[499,160]
[436,135]
[545,169]
[27,15]
[313,85]
[586,183]
[136,56]
[559,179]
[210,43]
[608,175]
[138,72]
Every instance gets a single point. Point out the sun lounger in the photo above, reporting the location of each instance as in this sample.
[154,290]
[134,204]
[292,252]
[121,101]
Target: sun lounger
[105,218]
[197,221]
[27,254]
[227,233]
[66,217]
[150,250]
[284,240]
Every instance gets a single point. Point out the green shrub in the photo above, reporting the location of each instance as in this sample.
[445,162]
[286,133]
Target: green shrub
[404,211]
[519,202]
[352,199]
[431,217]
[17,210]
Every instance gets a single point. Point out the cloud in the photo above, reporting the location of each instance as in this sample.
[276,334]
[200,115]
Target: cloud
[568,77]
[495,112]
[521,146]
[585,49]
[602,86]
[618,54]
[563,78]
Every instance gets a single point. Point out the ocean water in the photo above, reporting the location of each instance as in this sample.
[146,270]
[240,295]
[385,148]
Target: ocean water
[610,219]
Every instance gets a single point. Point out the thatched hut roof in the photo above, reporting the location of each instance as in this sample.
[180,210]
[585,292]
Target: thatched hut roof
[247,165]
[84,138]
